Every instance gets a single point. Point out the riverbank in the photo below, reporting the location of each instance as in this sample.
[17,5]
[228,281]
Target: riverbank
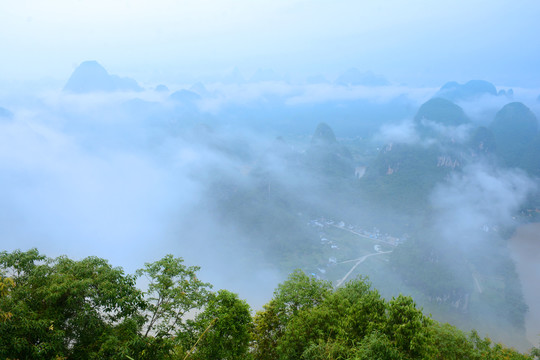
[525,249]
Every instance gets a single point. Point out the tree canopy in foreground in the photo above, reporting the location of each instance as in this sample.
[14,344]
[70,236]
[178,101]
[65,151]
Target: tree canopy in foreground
[87,309]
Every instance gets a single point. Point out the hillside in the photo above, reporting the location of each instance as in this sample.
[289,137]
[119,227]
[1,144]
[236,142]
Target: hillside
[514,128]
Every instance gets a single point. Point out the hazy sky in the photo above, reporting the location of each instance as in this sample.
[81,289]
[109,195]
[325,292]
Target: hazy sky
[414,41]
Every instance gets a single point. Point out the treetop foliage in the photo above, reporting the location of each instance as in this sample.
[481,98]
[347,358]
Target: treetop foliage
[86,309]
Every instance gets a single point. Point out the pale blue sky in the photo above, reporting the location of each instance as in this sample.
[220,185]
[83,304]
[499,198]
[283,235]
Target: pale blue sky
[415,41]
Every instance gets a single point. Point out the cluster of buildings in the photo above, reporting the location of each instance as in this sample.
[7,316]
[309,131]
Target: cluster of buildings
[375,234]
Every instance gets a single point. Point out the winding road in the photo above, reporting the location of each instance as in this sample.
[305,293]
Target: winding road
[358,262]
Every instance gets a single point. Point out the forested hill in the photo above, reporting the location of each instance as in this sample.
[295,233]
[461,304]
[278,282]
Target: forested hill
[86,309]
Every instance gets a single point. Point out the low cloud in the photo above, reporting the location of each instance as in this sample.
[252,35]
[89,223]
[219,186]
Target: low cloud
[481,195]
[457,134]
[401,133]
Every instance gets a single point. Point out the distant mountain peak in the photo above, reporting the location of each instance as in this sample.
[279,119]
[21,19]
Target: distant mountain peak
[90,76]
[515,114]
[514,128]
[323,135]
[92,65]
[184,96]
[468,91]
[161,88]
[441,111]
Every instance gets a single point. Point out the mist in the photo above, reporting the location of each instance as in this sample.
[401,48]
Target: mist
[133,176]
[208,131]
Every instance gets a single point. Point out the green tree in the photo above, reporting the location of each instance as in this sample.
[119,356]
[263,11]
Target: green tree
[173,291]
[408,328]
[6,284]
[227,322]
[330,349]
[451,343]
[535,353]
[63,307]
[320,326]
[298,293]
[485,349]
[378,346]
[266,330]
[335,326]
[364,307]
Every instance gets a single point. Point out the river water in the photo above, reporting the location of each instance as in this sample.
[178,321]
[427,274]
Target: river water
[525,247]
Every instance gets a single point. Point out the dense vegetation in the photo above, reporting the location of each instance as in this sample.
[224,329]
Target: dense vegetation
[86,309]
[458,268]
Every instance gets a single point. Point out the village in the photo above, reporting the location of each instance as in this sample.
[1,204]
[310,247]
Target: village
[374,235]
[349,243]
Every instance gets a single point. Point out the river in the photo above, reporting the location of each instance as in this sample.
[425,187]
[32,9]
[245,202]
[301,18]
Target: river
[525,247]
